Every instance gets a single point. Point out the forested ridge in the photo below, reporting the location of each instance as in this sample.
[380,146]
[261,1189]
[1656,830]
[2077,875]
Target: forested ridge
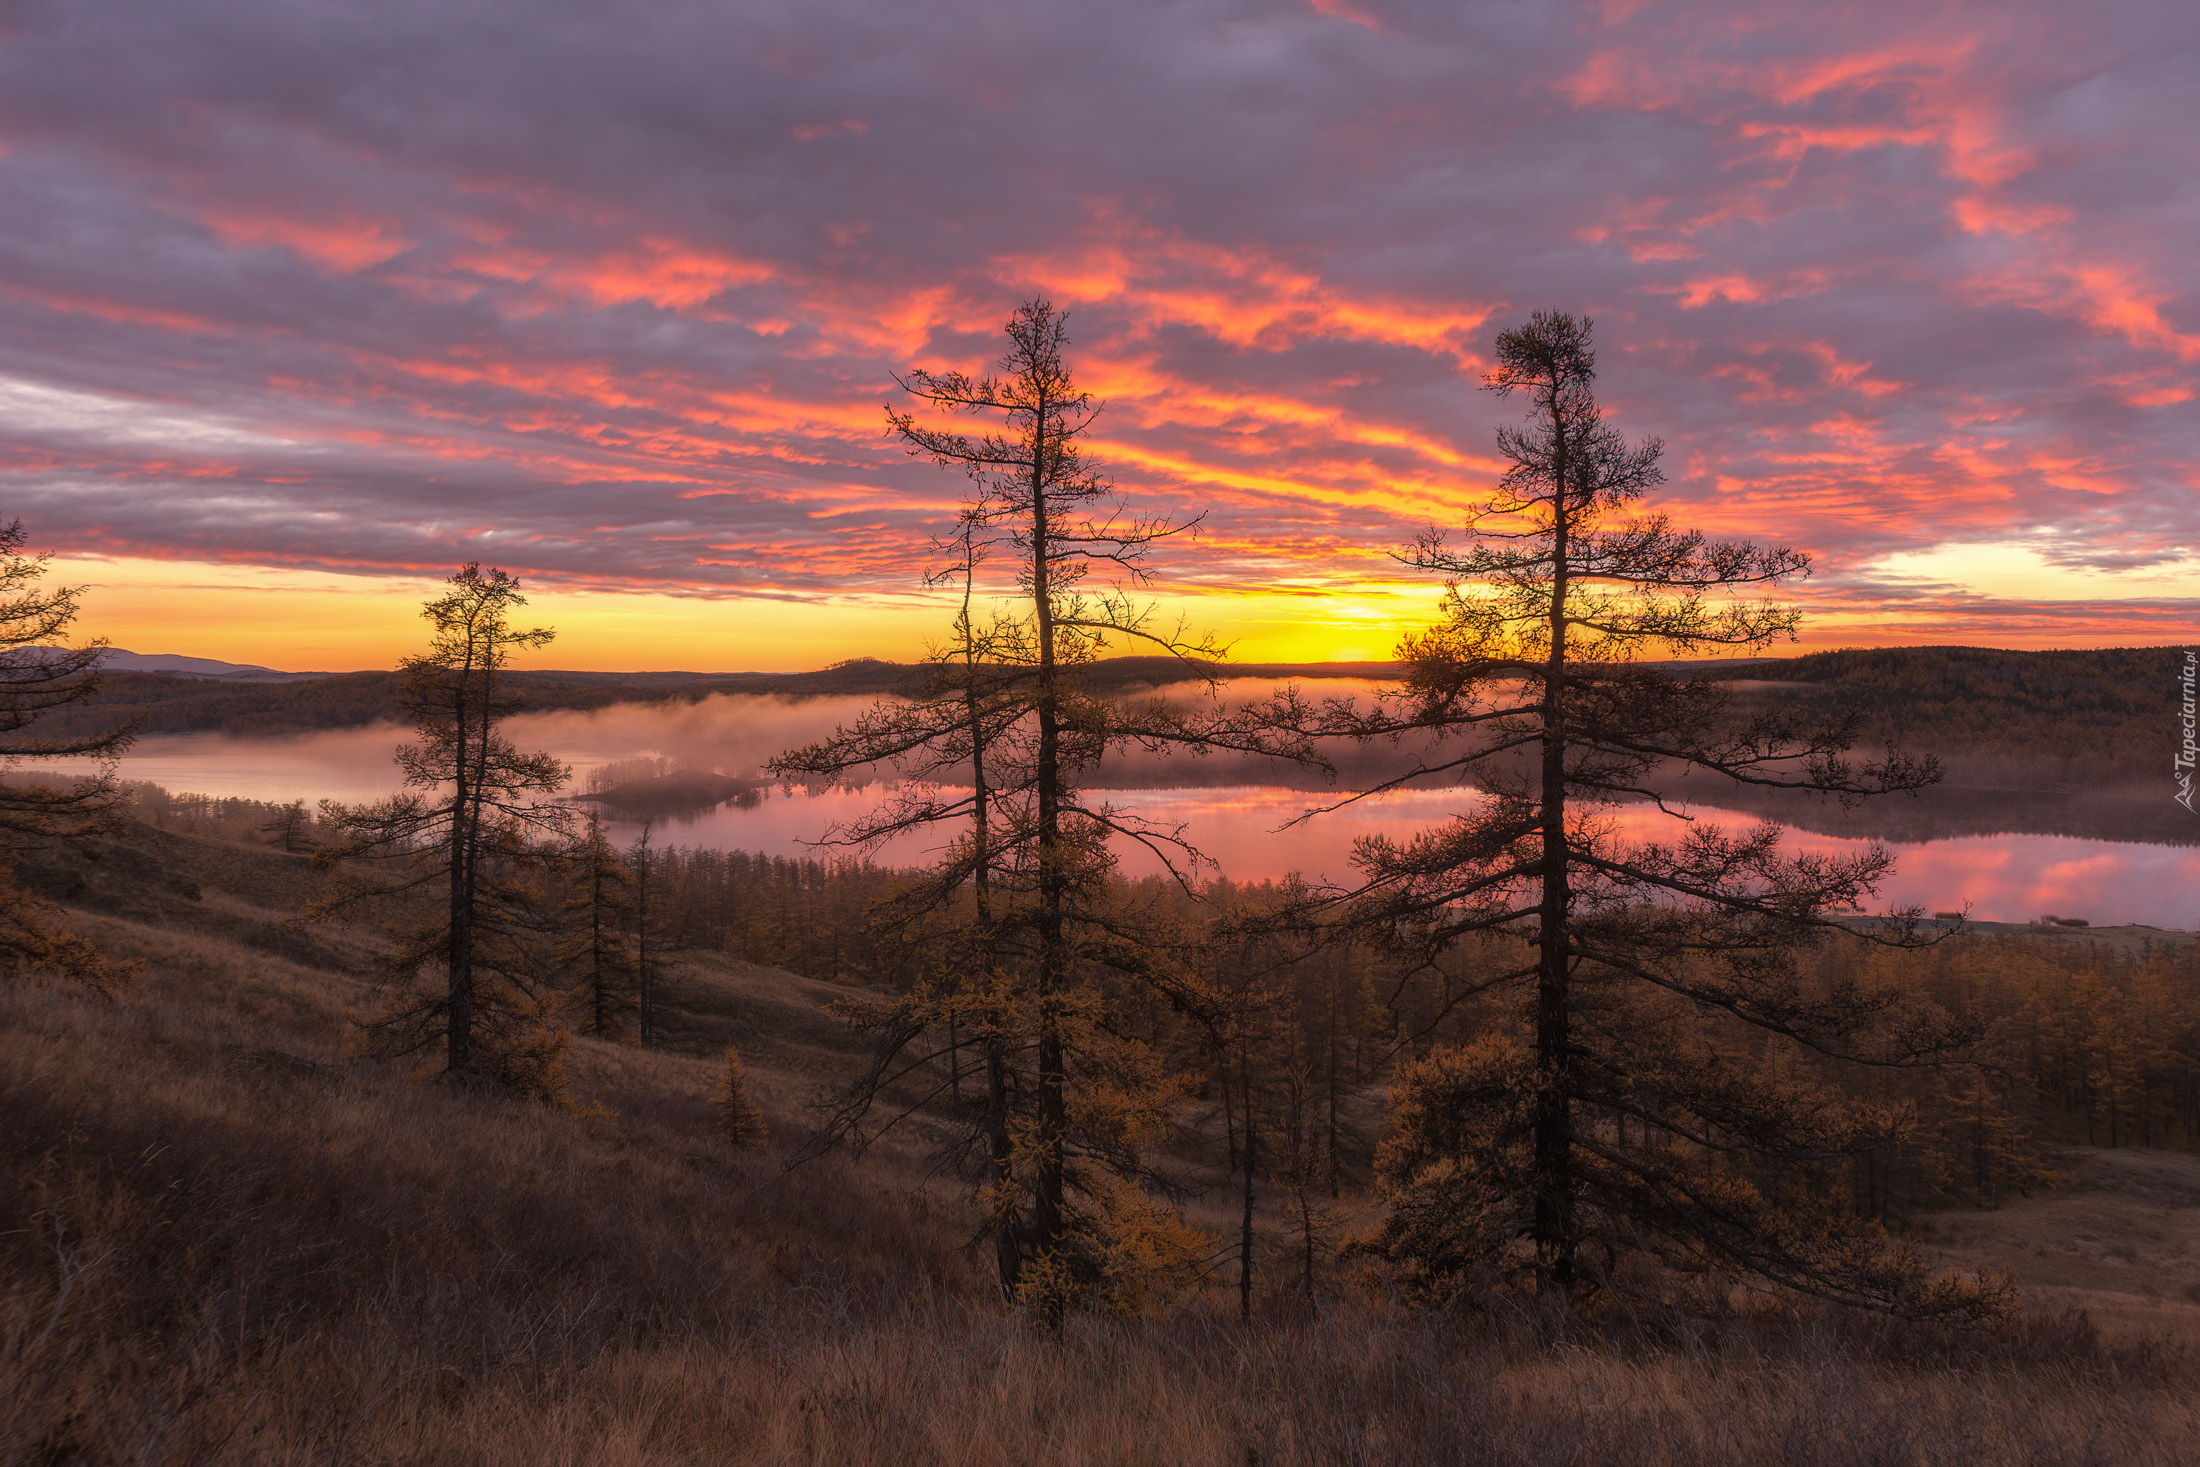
[2085,718]
[2088,1038]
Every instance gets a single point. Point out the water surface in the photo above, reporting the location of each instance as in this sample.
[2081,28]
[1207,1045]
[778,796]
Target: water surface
[1244,826]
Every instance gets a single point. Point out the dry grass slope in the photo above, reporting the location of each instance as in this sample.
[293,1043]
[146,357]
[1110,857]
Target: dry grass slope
[222,1240]
[2119,1240]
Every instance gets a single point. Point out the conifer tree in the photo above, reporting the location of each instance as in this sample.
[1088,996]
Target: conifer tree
[292,828]
[470,836]
[1248,956]
[37,677]
[1016,914]
[593,952]
[644,862]
[1625,1118]
[740,1119]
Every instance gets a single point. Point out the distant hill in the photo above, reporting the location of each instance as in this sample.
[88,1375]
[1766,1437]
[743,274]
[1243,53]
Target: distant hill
[171,664]
[181,700]
[2072,720]
[118,659]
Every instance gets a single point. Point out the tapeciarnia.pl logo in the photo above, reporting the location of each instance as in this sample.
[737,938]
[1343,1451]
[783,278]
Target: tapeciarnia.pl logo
[2188,720]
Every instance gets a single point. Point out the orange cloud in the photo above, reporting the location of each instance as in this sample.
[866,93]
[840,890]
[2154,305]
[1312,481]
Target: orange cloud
[1340,10]
[127,312]
[2106,297]
[1242,296]
[655,271]
[346,244]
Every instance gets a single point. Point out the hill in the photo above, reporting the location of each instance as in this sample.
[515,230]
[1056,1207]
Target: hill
[2085,719]
[228,1240]
[224,1238]
[121,659]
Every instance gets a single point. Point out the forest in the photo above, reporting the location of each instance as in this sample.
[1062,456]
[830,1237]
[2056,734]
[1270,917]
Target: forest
[2084,719]
[2084,1039]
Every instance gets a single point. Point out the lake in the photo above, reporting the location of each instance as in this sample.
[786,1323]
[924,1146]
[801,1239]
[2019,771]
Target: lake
[2000,877]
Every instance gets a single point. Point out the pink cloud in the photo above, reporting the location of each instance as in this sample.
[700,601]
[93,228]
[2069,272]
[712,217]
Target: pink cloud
[619,297]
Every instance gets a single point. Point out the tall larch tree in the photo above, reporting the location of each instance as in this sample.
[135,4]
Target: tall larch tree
[997,747]
[470,833]
[39,675]
[649,998]
[1626,1120]
[595,952]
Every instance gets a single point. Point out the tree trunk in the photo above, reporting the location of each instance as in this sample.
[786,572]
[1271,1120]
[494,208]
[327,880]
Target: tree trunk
[954,1063]
[1047,1208]
[642,989]
[459,996]
[1330,1070]
[1007,1250]
[1245,1233]
[1553,1116]
[601,999]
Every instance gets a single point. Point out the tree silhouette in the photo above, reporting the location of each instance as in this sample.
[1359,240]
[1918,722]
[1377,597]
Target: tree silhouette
[469,830]
[740,1118]
[292,827]
[649,999]
[593,952]
[39,679]
[1019,914]
[1630,1113]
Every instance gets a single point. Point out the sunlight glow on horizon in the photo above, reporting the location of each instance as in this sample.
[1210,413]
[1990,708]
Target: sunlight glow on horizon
[320,621]
[2017,570]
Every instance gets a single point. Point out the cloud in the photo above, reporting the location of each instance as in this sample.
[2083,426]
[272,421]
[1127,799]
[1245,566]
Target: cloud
[612,294]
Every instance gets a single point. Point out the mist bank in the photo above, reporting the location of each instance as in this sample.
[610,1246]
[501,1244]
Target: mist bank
[178,703]
[734,735]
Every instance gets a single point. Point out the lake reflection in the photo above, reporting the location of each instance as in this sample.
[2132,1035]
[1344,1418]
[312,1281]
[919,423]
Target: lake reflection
[2000,877]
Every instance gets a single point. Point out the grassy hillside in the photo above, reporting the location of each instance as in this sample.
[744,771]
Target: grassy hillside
[222,1239]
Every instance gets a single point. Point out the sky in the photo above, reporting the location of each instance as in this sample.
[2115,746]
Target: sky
[303,305]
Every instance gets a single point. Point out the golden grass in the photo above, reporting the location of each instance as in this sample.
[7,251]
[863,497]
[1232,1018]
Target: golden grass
[222,1240]
[2119,1239]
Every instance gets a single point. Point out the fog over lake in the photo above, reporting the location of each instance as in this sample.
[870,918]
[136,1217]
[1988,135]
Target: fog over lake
[1232,808]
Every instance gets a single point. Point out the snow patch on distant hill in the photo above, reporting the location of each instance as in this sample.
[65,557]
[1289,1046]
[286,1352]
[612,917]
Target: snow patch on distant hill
[171,664]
